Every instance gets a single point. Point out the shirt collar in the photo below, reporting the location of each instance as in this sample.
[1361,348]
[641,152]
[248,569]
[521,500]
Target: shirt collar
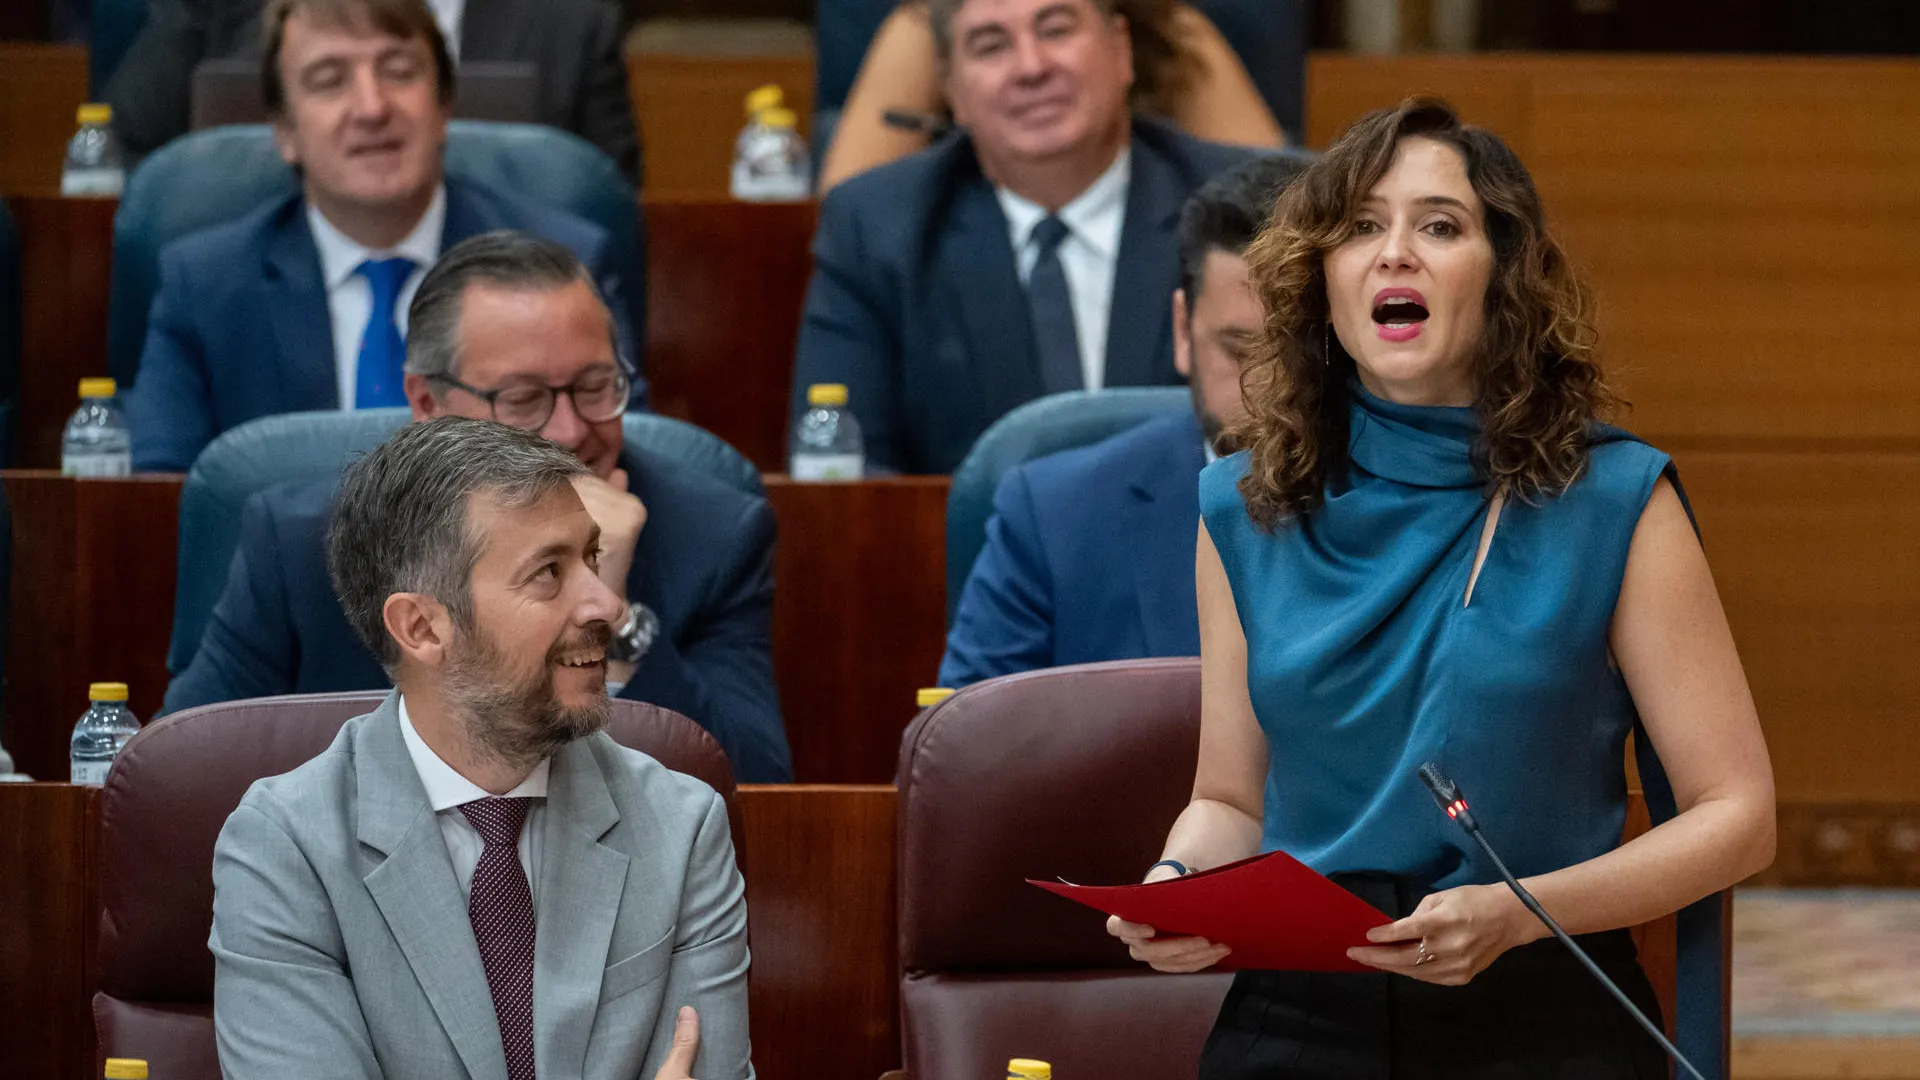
[340,255]
[446,788]
[1095,216]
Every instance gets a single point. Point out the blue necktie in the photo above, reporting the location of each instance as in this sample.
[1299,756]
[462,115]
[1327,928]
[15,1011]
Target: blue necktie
[1050,306]
[383,354]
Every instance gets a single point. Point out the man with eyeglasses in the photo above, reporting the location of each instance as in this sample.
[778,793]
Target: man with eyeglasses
[510,327]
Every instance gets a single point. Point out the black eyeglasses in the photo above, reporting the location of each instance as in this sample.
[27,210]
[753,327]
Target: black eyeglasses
[598,396]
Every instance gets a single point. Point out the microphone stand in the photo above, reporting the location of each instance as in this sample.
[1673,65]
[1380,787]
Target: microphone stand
[1447,794]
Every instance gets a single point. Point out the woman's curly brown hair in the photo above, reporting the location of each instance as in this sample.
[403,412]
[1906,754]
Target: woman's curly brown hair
[1538,386]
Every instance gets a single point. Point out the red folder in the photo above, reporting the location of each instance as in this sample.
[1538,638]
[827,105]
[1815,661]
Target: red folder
[1274,912]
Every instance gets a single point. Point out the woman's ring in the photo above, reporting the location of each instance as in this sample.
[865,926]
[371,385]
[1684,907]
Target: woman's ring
[1424,956]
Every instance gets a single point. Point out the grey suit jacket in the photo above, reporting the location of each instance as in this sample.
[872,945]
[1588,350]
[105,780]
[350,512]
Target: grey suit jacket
[342,946]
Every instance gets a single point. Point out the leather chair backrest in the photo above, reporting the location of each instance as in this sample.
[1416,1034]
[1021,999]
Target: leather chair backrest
[1073,773]
[296,447]
[1044,426]
[227,91]
[163,806]
[208,177]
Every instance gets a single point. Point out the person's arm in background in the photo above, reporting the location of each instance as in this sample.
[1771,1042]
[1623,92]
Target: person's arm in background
[1220,102]
[603,111]
[898,72]
[1224,820]
[151,90]
[847,337]
[168,410]
[247,649]
[719,672]
[1004,621]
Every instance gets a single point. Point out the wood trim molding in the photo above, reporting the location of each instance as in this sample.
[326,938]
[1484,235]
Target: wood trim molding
[1847,843]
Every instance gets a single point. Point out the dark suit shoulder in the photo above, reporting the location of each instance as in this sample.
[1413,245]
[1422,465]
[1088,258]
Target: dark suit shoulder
[904,190]
[1197,159]
[231,245]
[474,208]
[1163,443]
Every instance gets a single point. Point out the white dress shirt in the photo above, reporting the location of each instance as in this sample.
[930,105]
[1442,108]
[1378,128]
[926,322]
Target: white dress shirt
[449,13]
[1088,255]
[447,790]
[350,298]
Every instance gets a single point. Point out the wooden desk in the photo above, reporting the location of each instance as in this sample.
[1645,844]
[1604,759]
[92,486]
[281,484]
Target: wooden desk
[859,610]
[725,284]
[49,924]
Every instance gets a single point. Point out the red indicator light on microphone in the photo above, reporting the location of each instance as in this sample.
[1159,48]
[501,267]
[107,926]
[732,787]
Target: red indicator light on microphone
[1458,805]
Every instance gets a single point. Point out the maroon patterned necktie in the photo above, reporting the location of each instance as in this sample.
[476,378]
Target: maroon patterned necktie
[501,909]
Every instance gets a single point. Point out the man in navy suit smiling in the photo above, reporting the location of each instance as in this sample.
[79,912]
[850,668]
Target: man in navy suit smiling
[302,304]
[1030,253]
[1089,553]
[508,327]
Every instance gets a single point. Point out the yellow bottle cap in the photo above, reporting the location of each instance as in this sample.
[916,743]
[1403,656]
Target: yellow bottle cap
[1028,1069]
[764,98]
[126,1069]
[779,117]
[94,112]
[929,696]
[107,691]
[827,395]
[98,387]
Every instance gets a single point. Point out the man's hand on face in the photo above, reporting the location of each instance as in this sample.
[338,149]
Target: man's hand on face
[620,516]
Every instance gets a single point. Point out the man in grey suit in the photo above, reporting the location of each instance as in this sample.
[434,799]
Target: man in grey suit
[475,880]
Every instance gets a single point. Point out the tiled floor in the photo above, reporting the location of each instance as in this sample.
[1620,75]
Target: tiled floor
[1826,983]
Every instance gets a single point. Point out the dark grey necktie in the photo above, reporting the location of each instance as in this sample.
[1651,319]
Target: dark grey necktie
[1050,305]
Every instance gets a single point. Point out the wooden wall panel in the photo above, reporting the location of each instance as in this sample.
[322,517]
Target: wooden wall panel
[40,88]
[1817,556]
[1747,223]
[689,80]
[49,921]
[824,992]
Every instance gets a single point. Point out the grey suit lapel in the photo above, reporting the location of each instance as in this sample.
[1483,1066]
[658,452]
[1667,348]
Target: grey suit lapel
[297,307]
[581,882]
[979,264]
[1140,316]
[418,894]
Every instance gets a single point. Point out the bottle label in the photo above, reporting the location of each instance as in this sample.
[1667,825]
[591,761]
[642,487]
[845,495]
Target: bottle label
[97,465]
[816,467]
[92,183]
[92,772]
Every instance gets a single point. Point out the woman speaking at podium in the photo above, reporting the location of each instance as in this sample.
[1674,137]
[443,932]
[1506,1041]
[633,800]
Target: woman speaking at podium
[1431,549]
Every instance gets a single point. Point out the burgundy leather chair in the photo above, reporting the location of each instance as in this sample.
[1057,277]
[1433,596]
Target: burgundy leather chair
[1073,772]
[171,790]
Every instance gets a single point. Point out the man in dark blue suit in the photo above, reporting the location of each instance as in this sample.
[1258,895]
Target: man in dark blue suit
[508,326]
[301,304]
[1029,254]
[1089,553]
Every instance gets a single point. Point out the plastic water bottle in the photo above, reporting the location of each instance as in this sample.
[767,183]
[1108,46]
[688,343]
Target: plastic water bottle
[826,443]
[96,441]
[770,160]
[758,102]
[95,166]
[1029,1069]
[103,729]
[126,1069]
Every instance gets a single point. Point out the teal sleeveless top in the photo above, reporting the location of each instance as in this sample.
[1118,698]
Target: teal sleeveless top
[1363,662]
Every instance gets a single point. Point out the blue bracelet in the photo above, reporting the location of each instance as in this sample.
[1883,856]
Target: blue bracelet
[1178,866]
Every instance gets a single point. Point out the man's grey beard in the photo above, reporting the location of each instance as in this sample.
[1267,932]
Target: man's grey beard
[520,725]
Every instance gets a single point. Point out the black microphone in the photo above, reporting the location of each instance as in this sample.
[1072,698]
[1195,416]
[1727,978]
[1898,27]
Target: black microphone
[1447,794]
